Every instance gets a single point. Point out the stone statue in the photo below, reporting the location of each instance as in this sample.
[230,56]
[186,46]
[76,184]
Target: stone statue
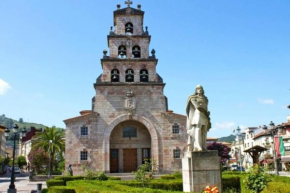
[198,121]
[70,171]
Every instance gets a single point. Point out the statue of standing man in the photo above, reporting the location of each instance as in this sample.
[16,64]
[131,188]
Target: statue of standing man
[198,120]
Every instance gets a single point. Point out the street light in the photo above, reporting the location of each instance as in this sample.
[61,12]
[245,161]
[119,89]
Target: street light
[7,131]
[50,142]
[239,136]
[273,131]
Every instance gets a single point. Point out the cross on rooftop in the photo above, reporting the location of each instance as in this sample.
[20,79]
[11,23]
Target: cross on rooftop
[128,3]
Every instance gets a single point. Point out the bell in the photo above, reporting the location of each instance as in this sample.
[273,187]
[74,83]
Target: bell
[115,77]
[144,77]
[130,77]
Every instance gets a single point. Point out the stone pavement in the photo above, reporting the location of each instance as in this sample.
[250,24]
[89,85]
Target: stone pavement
[22,183]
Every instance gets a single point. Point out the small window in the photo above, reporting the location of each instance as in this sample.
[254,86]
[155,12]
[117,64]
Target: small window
[176,153]
[175,128]
[129,75]
[122,52]
[129,28]
[143,75]
[136,53]
[115,75]
[129,132]
[84,155]
[84,130]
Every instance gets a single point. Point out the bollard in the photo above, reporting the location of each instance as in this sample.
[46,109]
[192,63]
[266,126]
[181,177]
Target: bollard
[39,187]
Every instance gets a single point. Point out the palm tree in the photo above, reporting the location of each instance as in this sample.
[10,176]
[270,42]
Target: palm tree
[53,135]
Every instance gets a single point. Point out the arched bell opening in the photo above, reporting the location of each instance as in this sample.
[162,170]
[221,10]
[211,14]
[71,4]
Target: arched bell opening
[129,28]
[143,75]
[122,52]
[136,52]
[130,145]
[115,75]
[129,75]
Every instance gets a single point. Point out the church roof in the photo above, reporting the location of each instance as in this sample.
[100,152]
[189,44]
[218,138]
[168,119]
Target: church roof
[83,113]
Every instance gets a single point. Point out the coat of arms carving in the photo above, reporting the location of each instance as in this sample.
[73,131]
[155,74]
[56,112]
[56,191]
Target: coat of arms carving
[130,101]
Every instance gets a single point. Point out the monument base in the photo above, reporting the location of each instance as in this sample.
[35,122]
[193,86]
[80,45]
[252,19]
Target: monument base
[201,169]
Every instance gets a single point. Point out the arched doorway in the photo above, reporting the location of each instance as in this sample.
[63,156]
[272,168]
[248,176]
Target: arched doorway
[130,144]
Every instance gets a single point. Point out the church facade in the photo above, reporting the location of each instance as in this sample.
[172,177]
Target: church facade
[129,120]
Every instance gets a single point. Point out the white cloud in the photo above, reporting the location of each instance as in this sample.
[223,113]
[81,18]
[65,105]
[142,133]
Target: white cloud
[4,87]
[266,101]
[224,125]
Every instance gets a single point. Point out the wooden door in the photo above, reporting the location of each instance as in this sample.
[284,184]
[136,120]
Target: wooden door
[130,160]
[114,154]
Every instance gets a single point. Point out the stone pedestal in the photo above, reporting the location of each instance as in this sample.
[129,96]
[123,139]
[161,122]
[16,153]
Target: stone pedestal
[201,169]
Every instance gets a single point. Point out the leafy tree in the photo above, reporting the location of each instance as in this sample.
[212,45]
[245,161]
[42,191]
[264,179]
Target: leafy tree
[21,161]
[57,145]
[223,151]
[20,120]
[38,159]
[2,159]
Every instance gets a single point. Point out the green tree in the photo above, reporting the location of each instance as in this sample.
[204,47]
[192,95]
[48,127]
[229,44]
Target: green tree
[52,138]
[21,161]
[20,120]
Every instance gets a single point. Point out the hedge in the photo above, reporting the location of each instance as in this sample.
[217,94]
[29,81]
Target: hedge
[44,190]
[53,182]
[114,178]
[167,177]
[61,189]
[69,178]
[277,187]
[231,183]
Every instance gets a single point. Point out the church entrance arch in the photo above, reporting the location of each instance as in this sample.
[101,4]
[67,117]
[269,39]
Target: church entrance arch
[128,142]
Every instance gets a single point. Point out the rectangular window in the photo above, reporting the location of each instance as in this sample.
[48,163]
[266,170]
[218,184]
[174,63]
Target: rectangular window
[129,132]
[176,153]
[287,148]
[84,155]
[175,128]
[84,130]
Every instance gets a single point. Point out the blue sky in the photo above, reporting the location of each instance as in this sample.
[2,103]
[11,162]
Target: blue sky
[238,50]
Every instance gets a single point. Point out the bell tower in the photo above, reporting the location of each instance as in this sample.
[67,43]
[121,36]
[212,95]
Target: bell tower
[128,60]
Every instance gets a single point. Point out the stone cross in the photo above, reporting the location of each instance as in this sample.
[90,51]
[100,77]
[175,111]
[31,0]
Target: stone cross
[128,3]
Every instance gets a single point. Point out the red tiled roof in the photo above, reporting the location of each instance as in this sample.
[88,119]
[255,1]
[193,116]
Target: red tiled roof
[83,114]
[263,133]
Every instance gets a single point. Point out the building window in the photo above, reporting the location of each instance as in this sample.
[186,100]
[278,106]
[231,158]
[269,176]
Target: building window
[84,155]
[84,130]
[175,128]
[136,53]
[176,153]
[115,75]
[143,75]
[129,132]
[129,75]
[287,148]
[145,155]
[129,28]
[122,52]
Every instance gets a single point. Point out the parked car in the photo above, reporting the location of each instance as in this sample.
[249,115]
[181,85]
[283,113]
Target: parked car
[239,168]
[234,167]
[17,170]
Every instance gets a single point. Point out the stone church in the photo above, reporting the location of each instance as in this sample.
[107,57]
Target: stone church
[129,120]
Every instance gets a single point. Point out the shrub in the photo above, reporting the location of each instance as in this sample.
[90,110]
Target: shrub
[61,189]
[44,190]
[177,175]
[257,179]
[231,183]
[52,182]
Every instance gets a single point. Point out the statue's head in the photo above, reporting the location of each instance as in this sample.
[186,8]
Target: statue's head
[199,90]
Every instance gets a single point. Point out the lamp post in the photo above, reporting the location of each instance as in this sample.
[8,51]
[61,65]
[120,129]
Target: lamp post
[7,131]
[273,131]
[239,136]
[50,142]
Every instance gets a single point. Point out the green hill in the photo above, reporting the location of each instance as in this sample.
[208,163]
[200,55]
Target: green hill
[8,122]
[229,139]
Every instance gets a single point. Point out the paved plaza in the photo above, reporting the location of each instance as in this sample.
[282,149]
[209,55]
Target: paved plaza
[22,183]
